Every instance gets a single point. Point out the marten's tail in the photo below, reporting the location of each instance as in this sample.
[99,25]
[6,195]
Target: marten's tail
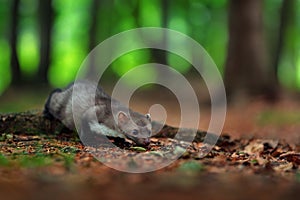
[46,113]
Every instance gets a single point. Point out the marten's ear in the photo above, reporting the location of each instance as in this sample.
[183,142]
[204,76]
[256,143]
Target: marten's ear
[122,118]
[148,116]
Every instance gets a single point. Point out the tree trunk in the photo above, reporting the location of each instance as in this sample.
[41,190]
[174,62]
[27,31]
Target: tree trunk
[93,29]
[160,56]
[247,71]
[92,70]
[286,16]
[45,16]
[14,61]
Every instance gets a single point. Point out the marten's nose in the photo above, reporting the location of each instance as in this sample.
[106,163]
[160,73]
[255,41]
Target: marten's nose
[146,141]
[143,141]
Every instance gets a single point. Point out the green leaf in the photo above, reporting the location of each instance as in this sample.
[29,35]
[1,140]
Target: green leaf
[254,161]
[141,149]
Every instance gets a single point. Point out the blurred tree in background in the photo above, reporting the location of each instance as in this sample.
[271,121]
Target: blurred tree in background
[14,60]
[255,43]
[45,23]
[247,69]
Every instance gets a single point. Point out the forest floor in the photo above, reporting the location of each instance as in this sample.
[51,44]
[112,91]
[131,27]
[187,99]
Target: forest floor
[257,157]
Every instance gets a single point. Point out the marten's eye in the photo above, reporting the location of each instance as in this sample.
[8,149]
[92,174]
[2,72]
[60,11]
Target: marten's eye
[135,132]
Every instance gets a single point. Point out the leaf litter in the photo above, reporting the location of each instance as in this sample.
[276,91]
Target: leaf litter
[255,155]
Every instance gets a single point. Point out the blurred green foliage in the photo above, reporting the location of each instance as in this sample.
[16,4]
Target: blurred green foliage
[3,160]
[28,45]
[203,20]
[70,39]
[268,117]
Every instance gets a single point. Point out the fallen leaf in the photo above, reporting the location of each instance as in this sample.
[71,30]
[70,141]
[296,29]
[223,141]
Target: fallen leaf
[291,157]
[283,166]
[254,147]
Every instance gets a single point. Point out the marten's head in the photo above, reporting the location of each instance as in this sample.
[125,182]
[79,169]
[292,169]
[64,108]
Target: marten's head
[137,128]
